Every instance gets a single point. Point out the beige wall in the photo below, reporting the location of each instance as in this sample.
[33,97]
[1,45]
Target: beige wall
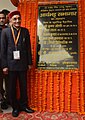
[6,4]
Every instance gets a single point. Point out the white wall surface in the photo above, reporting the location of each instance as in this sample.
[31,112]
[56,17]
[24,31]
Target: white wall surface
[6,4]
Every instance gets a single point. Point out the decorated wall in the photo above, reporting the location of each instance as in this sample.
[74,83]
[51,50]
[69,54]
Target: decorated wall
[55,90]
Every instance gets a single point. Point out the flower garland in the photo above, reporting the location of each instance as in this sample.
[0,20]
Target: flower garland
[58,91]
[44,89]
[40,91]
[55,104]
[69,91]
[36,89]
[50,86]
[62,104]
[78,92]
[81,60]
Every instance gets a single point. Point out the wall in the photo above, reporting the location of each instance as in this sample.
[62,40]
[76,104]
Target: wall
[6,4]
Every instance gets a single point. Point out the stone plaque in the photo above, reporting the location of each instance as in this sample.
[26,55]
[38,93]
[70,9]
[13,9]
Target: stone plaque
[57,37]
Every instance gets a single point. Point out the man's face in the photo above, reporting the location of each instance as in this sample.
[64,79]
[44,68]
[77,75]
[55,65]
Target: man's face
[16,21]
[2,19]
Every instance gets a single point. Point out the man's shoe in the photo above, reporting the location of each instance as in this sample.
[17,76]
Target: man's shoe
[4,105]
[28,110]
[15,112]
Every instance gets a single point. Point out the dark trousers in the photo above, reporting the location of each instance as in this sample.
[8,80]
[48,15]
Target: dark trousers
[3,78]
[1,81]
[21,76]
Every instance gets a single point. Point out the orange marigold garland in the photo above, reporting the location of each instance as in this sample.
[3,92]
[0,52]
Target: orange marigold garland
[48,92]
[44,90]
[55,91]
[62,104]
[51,91]
[58,92]
[40,91]
[48,100]
[81,61]
[69,91]
[78,92]
[83,27]
[36,89]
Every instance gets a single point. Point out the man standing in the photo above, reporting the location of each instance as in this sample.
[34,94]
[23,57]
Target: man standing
[2,91]
[16,59]
[6,12]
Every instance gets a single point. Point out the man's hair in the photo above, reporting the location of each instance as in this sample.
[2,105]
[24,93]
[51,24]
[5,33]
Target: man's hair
[1,12]
[5,11]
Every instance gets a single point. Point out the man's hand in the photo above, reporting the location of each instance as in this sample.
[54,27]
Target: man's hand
[5,71]
[29,66]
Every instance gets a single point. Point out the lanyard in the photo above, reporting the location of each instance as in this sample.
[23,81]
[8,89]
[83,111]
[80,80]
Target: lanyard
[15,39]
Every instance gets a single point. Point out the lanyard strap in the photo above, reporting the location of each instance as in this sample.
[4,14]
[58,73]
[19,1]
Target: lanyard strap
[15,39]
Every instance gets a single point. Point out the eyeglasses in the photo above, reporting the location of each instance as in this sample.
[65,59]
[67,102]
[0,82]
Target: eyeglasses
[19,18]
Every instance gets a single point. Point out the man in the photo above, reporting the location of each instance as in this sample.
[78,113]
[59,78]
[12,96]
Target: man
[6,12]
[16,59]
[2,91]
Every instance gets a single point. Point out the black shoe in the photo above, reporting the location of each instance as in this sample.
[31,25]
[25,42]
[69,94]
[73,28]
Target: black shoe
[4,105]
[15,112]
[28,110]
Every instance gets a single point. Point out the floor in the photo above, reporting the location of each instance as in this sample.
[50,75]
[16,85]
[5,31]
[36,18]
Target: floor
[9,107]
[7,110]
[43,116]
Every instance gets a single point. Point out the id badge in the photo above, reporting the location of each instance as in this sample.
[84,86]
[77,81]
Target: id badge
[16,55]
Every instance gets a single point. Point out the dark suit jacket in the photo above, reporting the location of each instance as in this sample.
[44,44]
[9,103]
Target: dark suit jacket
[0,42]
[8,46]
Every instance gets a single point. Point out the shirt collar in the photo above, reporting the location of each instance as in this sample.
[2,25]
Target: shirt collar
[16,28]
